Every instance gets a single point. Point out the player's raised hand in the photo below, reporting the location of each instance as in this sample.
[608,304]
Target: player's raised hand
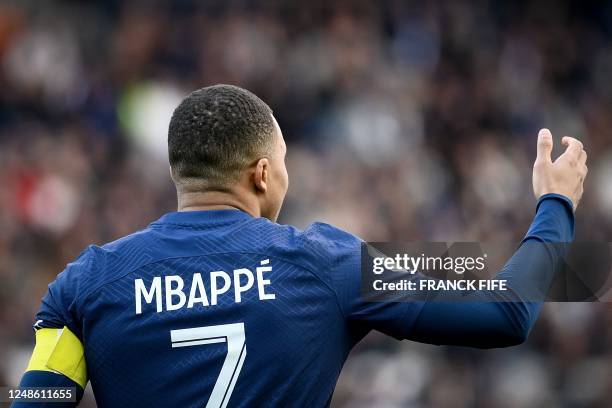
[563,176]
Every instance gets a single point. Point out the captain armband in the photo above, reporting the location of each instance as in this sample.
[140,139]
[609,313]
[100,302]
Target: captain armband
[59,351]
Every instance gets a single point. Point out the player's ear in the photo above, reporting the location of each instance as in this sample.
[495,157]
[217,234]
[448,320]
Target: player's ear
[260,177]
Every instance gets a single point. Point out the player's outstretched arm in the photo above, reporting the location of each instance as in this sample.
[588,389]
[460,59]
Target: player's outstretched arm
[482,320]
[57,362]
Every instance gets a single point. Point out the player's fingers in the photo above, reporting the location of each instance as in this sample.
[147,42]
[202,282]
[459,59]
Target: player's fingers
[574,149]
[568,140]
[545,145]
[583,157]
[584,170]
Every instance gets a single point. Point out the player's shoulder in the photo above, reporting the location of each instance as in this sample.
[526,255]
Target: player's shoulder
[334,246]
[127,253]
[119,247]
[328,235]
[91,268]
[317,233]
[319,246]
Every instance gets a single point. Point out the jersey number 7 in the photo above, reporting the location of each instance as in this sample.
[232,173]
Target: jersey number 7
[233,334]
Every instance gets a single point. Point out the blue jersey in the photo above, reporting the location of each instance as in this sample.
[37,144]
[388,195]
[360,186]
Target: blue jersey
[216,309]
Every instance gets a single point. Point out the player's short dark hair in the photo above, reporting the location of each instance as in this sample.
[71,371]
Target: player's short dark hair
[215,133]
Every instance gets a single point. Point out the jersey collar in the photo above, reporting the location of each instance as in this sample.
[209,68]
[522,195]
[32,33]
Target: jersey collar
[203,217]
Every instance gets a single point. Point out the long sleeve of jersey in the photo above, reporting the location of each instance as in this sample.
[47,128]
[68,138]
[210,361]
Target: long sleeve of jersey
[487,320]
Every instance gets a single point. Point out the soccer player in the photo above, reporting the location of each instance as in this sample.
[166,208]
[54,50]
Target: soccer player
[217,305]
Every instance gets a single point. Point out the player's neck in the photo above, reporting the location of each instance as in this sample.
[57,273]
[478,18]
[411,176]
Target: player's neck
[216,200]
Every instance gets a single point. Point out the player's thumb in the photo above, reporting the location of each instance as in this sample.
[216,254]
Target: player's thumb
[545,146]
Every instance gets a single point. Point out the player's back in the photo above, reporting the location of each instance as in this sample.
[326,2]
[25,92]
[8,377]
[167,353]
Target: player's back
[211,308]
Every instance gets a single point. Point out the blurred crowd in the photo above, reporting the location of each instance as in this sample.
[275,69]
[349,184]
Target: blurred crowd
[405,120]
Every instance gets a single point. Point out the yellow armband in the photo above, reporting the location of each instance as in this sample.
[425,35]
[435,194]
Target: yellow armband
[59,351]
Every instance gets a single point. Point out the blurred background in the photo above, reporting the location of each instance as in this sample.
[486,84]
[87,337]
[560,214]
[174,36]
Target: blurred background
[405,120]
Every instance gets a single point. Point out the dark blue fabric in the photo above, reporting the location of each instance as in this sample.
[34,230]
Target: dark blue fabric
[47,379]
[296,343]
[483,319]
